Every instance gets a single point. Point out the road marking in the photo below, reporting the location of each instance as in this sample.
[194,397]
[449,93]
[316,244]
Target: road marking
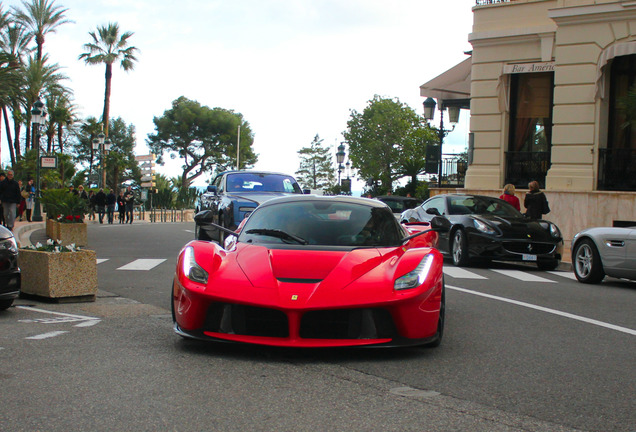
[523,276]
[46,335]
[101,260]
[79,317]
[568,275]
[547,310]
[142,264]
[460,273]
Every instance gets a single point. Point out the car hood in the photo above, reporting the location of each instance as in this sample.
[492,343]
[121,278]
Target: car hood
[257,197]
[298,277]
[519,227]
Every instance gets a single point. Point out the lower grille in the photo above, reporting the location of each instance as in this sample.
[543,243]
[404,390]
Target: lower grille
[347,324]
[246,320]
[529,248]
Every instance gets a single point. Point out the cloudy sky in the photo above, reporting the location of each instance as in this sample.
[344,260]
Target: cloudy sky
[293,68]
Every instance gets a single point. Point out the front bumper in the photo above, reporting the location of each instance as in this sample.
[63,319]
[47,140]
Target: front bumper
[485,247]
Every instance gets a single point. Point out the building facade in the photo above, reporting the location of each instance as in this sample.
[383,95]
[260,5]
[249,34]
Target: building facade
[553,99]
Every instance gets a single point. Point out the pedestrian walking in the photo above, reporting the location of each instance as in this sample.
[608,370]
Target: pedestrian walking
[509,196]
[121,206]
[100,204]
[22,204]
[129,198]
[111,202]
[30,201]
[10,197]
[535,202]
[91,205]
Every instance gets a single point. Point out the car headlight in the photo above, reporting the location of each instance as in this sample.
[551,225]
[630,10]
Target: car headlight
[554,230]
[483,227]
[9,244]
[191,269]
[417,276]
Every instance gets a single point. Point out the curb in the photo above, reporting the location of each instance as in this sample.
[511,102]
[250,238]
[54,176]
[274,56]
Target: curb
[22,233]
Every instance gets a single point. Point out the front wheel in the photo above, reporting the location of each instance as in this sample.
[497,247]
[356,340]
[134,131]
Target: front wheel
[459,249]
[548,265]
[588,267]
[5,304]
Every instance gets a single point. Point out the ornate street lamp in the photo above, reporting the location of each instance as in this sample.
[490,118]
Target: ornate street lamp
[101,138]
[340,156]
[38,118]
[429,114]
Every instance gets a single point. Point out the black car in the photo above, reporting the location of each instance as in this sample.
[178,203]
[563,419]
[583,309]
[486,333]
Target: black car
[9,270]
[233,195]
[490,229]
[399,204]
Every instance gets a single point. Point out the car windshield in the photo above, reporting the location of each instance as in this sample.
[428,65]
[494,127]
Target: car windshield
[322,222]
[481,205]
[261,182]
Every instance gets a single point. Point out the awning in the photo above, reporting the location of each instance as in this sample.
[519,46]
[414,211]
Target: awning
[452,86]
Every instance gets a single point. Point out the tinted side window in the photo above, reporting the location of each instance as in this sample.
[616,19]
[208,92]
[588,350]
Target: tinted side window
[437,203]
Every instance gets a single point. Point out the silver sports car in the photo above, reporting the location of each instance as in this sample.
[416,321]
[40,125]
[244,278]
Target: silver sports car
[597,252]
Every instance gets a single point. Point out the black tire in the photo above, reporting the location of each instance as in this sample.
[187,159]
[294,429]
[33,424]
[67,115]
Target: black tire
[459,249]
[5,304]
[586,261]
[548,265]
[200,234]
[440,321]
[222,234]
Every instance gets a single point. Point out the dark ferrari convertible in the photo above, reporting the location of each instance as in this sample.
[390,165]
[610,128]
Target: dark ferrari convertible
[487,228]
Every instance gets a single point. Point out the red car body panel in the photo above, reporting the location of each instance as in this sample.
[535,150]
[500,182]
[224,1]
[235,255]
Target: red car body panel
[295,281]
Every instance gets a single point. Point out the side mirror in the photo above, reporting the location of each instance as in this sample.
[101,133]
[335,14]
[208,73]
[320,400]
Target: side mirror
[307,191]
[440,224]
[212,188]
[204,217]
[433,211]
[230,242]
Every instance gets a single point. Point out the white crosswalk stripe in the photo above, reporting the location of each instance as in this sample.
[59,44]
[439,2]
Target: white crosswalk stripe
[101,260]
[564,274]
[142,264]
[460,273]
[523,276]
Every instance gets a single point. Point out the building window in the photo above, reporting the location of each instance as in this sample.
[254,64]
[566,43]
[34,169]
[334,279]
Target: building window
[617,162]
[530,139]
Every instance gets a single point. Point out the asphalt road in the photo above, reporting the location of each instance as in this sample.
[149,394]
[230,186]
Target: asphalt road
[523,351]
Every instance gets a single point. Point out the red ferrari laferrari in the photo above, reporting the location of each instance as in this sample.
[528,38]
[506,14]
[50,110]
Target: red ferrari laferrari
[313,271]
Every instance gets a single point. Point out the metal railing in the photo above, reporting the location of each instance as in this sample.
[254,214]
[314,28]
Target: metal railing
[453,171]
[523,167]
[489,2]
[167,215]
[617,169]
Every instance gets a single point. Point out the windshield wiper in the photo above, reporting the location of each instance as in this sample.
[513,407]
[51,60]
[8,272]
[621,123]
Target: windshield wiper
[277,233]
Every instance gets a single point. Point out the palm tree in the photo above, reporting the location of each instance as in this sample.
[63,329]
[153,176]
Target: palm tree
[107,48]
[40,17]
[61,114]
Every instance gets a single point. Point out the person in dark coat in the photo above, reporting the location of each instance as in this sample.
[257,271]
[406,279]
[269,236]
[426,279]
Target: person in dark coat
[100,203]
[535,202]
[10,196]
[121,205]
[129,198]
[111,201]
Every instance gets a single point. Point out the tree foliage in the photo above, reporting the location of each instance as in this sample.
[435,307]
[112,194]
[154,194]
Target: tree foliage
[387,141]
[205,138]
[316,168]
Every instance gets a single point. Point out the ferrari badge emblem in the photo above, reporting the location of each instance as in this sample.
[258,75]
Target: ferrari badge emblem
[294,297]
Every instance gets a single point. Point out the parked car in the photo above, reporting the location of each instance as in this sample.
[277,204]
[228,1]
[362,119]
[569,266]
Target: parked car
[488,228]
[597,252]
[9,270]
[313,271]
[233,195]
[399,204]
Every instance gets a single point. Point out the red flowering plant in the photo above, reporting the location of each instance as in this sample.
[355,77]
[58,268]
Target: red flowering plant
[64,206]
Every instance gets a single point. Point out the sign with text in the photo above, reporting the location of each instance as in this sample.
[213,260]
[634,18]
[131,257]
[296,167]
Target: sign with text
[529,68]
[48,161]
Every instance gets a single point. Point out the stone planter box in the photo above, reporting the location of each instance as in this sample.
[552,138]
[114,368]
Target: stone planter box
[67,233]
[64,275]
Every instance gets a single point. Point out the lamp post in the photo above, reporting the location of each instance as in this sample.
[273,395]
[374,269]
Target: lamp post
[340,155]
[102,146]
[38,116]
[429,114]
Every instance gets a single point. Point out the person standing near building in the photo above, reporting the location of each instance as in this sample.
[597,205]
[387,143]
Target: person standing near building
[535,202]
[121,206]
[91,205]
[111,201]
[100,203]
[10,197]
[129,198]
[509,196]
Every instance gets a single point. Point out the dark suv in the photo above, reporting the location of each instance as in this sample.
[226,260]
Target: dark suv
[233,195]
[9,270]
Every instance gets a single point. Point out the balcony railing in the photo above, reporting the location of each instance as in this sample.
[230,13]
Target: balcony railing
[617,169]
[488,2]
[453,170]
[523,167]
